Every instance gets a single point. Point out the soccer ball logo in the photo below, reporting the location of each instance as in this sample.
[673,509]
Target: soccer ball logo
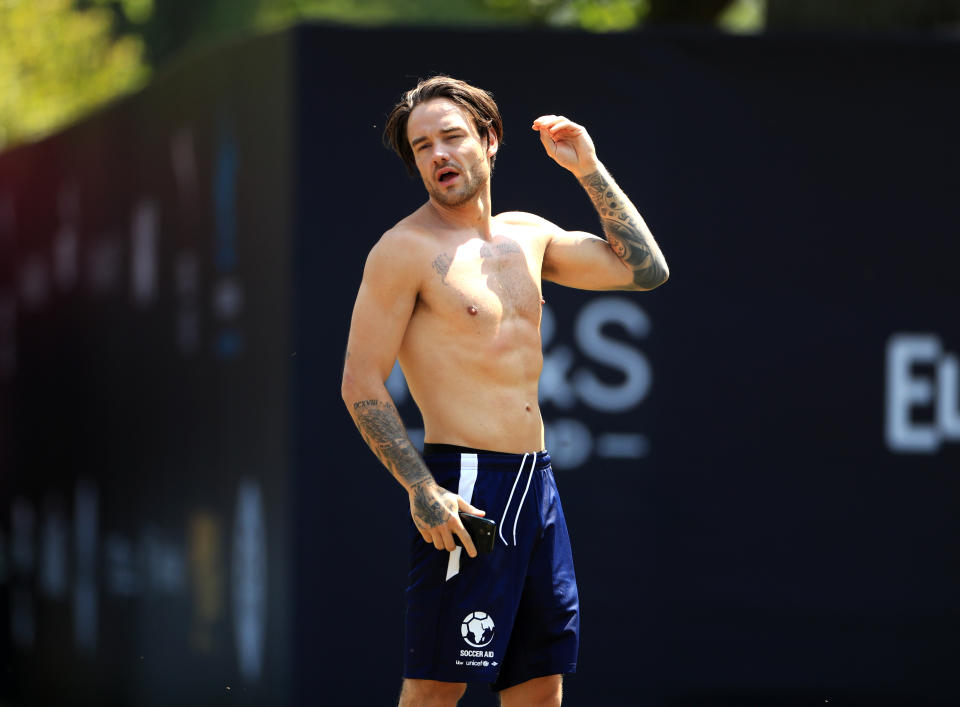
[477,629]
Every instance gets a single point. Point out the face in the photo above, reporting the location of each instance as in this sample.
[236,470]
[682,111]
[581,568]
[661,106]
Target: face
[452,158]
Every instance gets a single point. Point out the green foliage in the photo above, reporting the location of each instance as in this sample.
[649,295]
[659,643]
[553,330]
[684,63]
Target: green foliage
[57,63]
[136,11]
[744,16]
[275,13]
[592,15]
[597,15]
[609,16]
[60,59]
[177,24]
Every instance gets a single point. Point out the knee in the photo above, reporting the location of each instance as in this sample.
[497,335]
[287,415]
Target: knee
[431,693]
[539,692]
[544,696]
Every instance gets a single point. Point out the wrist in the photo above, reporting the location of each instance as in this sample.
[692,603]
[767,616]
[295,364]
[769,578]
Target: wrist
[591,167]
[420,485]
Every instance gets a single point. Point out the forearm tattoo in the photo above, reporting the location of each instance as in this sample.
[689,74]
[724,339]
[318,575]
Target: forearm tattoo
[626,233]
[383,431]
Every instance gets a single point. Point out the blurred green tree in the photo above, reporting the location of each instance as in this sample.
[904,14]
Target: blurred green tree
[61,58]
[173,25]
[58,62]
[594,15]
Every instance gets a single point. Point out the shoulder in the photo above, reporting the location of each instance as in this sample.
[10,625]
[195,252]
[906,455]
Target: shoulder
[535,229]
[404,241]
[400,257]
[524,218]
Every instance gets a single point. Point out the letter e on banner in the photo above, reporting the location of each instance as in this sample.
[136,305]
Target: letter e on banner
[908,390]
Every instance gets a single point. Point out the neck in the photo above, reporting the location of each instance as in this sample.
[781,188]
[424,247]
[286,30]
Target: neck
[475,214]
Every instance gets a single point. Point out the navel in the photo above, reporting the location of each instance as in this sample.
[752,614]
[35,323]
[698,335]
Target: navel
[472,310]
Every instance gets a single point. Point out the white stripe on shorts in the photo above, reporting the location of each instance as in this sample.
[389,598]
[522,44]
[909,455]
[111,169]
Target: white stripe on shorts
[468,477]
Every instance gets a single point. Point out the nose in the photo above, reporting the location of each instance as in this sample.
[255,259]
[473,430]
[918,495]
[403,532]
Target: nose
[440,154]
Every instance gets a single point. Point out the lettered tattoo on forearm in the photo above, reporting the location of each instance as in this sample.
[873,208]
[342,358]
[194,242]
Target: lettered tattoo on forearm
[626,233]
[383,431]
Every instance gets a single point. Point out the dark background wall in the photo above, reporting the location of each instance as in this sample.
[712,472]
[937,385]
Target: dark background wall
[145,440]
[769,542]
[758,460]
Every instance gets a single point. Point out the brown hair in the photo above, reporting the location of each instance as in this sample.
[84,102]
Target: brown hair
[477,102]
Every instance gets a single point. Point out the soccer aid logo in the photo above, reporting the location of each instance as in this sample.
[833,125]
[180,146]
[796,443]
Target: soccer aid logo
[477,629]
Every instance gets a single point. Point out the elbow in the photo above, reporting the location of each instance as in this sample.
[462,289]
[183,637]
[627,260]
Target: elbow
[652,277]
[664,275]
[357,385]
[348,388]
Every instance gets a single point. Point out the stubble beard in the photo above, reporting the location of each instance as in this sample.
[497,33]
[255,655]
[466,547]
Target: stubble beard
[467,192]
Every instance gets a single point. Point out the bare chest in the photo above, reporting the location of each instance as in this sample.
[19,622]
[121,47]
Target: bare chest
[486,283]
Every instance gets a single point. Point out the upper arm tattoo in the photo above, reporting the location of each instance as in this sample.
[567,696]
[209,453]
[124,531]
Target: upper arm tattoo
[626,233]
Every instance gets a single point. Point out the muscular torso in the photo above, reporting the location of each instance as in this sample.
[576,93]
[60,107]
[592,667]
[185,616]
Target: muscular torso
[471,353]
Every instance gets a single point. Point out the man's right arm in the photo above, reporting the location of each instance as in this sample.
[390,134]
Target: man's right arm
[383,308]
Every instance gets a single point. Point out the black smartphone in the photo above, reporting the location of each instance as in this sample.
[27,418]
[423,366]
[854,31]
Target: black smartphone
[483,532]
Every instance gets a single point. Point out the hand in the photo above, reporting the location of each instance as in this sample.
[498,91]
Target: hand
[567,143]
[434,511]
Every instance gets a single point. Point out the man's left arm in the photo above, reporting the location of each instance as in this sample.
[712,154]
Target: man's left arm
[584,261]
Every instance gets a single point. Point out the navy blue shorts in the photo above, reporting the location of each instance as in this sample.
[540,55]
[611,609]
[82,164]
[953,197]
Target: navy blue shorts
[505,617]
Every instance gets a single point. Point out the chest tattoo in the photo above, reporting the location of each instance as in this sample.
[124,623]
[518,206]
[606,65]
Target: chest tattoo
[441,264]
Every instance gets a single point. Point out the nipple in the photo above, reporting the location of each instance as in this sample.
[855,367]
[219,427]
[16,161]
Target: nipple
[472,310]
[543,301]
[528,407]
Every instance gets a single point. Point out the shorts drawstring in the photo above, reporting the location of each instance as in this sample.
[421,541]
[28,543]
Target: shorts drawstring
[522,498]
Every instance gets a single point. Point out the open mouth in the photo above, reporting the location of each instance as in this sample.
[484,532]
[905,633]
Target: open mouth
[446,175]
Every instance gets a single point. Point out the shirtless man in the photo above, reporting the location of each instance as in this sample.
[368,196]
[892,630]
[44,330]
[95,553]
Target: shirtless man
[454,292]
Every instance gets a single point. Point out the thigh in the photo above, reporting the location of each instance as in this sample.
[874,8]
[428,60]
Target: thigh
[458,624]
[544,691]
[546,635]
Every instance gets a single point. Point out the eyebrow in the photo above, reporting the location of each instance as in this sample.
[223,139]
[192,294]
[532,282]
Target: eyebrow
[417,140]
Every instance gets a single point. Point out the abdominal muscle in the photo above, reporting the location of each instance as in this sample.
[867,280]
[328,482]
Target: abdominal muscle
[476,388]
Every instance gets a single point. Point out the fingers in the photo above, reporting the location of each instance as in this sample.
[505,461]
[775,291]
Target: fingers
[430,535]
[545,122]
[461,531]
[467,508]
[441,535]
[548,144]
[446,539]
[557,127]
[465,539]
[435,538]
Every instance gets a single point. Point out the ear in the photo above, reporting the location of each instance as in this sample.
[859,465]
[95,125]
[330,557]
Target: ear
[492,143]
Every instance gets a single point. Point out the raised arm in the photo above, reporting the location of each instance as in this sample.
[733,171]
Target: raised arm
[382,310]
[630,258]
